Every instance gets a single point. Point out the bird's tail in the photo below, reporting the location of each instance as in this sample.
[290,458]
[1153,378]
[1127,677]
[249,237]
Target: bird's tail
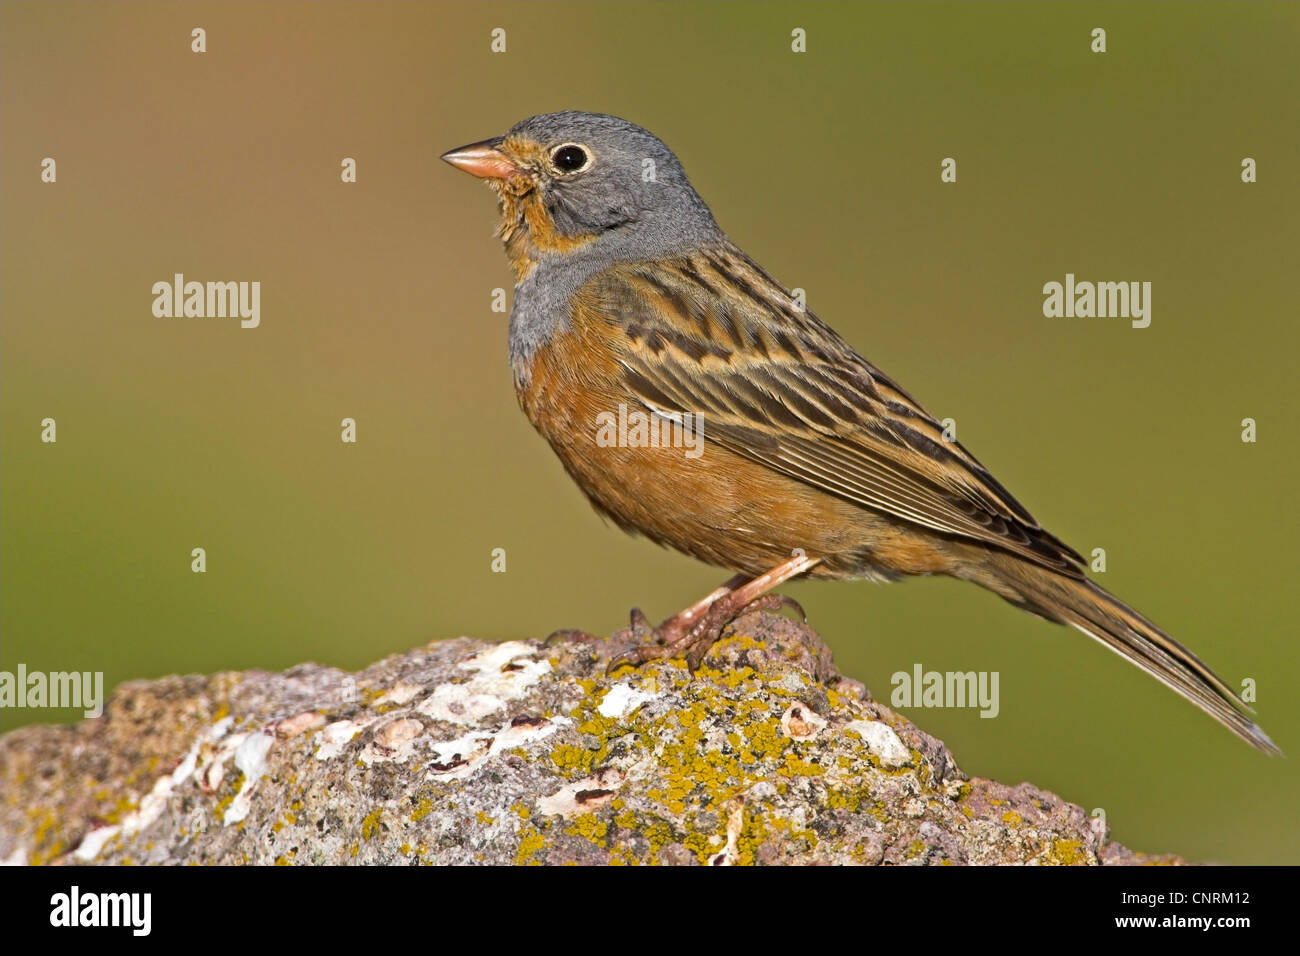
[1103,617]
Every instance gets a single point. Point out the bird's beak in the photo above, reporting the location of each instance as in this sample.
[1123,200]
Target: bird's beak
[483,160]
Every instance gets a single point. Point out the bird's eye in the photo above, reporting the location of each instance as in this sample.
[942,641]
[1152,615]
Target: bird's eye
[570,158]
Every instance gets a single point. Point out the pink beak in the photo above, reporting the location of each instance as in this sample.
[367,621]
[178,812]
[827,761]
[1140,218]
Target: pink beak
[483,160]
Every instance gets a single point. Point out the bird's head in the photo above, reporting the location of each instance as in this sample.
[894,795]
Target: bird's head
[570,181]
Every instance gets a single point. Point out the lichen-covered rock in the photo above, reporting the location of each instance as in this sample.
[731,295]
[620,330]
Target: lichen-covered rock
[523,752]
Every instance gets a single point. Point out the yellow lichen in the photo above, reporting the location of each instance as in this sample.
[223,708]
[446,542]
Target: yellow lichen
[590,827]
[567,757]
[423,807]
[1067,852]
[531,843]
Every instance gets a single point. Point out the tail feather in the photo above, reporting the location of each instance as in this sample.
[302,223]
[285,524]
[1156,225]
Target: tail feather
[1109,621]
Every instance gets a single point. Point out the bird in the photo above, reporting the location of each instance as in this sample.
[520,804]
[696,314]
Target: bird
[631,305]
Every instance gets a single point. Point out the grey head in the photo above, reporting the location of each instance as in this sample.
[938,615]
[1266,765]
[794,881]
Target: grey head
[601,175]
[580,192]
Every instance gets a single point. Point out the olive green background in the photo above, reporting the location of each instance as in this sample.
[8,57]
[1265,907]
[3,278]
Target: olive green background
[180,433]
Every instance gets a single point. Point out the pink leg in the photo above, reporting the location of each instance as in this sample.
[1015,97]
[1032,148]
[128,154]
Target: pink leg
[677,625]
[690,633]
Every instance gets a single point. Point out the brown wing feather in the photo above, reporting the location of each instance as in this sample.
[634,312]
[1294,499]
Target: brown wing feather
[712,333]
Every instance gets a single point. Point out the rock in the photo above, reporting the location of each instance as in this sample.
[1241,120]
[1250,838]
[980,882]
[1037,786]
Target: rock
[523,753]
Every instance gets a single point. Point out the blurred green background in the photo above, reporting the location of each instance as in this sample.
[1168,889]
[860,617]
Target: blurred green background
[183,433]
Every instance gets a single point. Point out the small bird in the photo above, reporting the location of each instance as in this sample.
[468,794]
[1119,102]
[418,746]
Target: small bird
[631,301]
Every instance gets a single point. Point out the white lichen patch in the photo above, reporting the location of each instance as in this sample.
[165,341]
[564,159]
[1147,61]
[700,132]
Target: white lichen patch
[527,730]
[501,671]
[793,682]
[882,741]
[457,704]
[763,790]
[394,741]
[735,824]
[154,802]
[17,858]
[458,758]
[501,674]
[801,722]
[291,727]
[250,759]
[585,795]
[208,756]
[213,770]
[453,759]
[622,700]
[94,841]
[334,737]
[399,694]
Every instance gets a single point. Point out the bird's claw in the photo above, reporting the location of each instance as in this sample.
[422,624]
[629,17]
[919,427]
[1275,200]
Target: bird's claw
[668,640]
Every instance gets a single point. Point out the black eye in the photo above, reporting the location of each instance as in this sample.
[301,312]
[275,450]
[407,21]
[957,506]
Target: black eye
[569,158]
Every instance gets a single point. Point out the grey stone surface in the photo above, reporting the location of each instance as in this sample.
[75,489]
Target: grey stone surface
[467,752]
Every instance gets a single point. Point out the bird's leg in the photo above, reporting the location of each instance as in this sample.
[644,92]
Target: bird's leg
[671,629]
[690,633]
[677,626]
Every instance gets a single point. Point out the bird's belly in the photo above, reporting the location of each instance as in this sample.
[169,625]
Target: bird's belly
[678,488]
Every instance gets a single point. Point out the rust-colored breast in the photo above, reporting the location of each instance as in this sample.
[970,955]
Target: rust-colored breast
[691,494]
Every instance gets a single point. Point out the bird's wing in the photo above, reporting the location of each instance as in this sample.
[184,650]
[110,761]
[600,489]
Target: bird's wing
[712,333]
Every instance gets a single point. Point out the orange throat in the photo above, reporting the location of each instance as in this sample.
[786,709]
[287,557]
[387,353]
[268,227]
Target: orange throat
[527,230]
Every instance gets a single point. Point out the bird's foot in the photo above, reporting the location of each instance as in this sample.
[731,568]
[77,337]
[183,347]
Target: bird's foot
[691,634]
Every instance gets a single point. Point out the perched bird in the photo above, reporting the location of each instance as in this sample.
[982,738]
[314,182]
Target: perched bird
[630,299]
